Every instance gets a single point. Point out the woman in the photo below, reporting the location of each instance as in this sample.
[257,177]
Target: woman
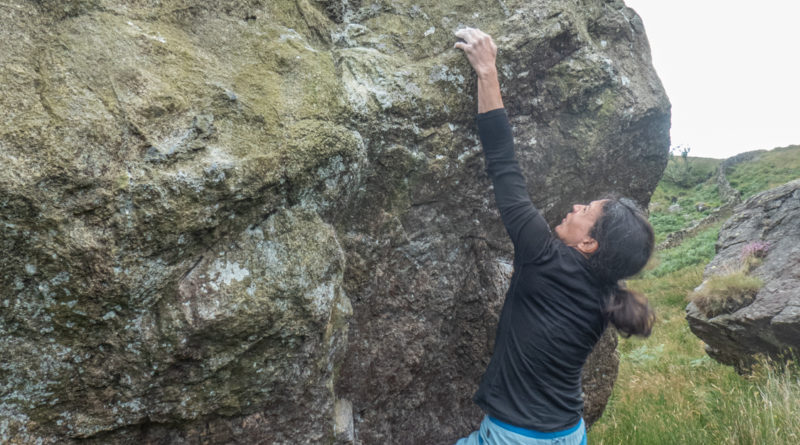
[564,289]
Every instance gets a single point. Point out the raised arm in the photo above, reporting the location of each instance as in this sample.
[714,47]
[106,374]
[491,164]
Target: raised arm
[526,227]
[481,53]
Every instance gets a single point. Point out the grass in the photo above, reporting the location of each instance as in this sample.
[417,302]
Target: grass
[768,170]
[724,294]
[668,390]
[691,184]
[698,188]
[695,250]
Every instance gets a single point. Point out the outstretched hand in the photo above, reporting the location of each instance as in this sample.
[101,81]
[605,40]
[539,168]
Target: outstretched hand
[482,53]
[479,49]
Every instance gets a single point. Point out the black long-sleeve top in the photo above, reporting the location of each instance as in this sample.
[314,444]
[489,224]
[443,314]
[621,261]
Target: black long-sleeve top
[553,312]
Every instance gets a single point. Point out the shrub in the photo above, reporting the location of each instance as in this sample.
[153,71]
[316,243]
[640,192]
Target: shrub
[757,249]
[723,294]
[753,253]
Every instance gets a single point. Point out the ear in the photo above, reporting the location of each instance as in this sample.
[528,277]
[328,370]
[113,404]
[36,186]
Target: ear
[587,246]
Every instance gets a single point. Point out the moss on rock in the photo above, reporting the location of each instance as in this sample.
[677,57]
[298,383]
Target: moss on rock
[179,176]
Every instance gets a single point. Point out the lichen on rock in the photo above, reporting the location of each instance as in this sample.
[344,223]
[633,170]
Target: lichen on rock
[239,219]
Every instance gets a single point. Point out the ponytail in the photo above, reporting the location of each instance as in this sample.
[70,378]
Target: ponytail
[630,312]
[625,242]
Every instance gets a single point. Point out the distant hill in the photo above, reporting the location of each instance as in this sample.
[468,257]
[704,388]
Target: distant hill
[767,170]
[689,189]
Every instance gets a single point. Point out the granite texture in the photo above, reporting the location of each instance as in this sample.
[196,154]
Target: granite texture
[268,221]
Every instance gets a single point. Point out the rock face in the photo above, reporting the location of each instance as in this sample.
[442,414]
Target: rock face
[268,221]
[770,325]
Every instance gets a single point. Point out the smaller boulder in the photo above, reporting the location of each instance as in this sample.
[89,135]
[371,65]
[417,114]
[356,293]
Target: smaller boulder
[760,240]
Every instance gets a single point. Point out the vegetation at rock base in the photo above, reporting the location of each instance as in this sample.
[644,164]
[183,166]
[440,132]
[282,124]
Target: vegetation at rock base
[728,292]
[668,390]
[723,294]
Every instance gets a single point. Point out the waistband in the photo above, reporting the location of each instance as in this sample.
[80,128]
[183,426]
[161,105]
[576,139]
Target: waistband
[533,433]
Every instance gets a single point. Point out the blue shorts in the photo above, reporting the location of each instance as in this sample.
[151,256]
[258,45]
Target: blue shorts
[495,432]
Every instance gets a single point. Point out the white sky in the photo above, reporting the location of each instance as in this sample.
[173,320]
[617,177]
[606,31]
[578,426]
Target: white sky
[731,70]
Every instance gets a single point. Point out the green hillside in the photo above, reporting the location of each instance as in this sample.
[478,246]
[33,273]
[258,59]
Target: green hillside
[768,170]
[668,390]
[691,184]
[687,183]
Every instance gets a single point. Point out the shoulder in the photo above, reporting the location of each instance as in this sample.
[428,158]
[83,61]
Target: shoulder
[557,253]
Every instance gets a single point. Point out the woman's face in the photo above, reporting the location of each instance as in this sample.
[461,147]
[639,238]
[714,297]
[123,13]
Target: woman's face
[575,227]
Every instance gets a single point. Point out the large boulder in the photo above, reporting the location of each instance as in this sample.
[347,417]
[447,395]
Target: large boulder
[765,225]
[268,221]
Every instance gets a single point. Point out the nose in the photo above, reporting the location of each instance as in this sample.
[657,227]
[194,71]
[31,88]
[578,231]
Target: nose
[576,207]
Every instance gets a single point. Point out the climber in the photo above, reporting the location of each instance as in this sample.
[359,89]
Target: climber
[564,290]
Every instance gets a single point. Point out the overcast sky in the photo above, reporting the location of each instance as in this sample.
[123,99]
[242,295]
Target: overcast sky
[731,70]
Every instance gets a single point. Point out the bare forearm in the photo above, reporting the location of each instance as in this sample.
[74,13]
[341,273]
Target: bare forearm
[489,97]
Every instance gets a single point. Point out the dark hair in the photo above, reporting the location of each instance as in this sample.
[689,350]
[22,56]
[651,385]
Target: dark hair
[625,242]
